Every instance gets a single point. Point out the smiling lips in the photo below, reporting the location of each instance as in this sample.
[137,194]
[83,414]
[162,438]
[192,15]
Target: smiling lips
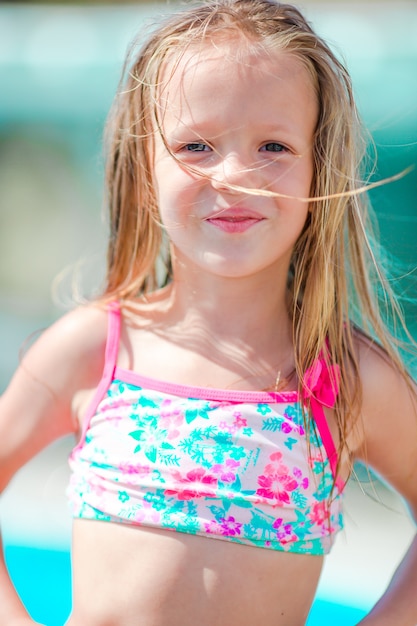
[234,221]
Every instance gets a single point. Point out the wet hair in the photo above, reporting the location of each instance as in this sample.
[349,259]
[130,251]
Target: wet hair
[333,269]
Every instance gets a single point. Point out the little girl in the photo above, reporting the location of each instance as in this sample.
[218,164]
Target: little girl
[236,365]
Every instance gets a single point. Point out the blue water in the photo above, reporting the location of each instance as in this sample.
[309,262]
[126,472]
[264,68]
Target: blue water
[43,580]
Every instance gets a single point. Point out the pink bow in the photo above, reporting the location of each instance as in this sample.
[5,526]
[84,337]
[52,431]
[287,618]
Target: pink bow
[321,382]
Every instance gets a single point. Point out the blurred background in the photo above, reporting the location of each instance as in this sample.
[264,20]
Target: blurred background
[59,68]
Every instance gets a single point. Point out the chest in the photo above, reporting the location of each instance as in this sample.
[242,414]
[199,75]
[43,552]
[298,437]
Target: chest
[254,448]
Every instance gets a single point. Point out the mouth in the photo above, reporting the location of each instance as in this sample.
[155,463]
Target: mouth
[234,221]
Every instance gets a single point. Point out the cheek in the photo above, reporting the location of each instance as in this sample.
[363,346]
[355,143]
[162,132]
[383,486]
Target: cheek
[176,205]
[294,178]
[303,177]
[178,191]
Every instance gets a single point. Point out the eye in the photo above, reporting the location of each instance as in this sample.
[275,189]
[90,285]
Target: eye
[196,147]
[273,146]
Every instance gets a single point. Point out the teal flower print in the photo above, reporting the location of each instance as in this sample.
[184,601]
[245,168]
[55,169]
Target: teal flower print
[237,453]
[248,432]
[295,414]
[157,499]
[123,496]
[149,439]
[264,409]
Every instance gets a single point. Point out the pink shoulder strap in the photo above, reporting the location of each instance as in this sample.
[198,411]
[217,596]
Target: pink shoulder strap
[113,339]
[321,387]
[110,361]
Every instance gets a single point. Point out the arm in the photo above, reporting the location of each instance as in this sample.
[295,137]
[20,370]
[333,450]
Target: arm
[37,408]
[12,611]
[389,446]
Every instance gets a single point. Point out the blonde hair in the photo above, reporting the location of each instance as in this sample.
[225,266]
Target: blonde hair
[333,270]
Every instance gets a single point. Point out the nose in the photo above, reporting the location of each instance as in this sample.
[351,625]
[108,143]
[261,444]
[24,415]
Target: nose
[231,172]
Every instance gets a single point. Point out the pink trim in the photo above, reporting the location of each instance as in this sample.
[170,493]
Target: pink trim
[110,360]
[204,393]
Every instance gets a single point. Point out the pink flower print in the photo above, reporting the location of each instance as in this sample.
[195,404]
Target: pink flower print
[276,466]
[240,422]
[276,480]
[213,527]
[96,486]
[147,514]
[275,456]
[115,419]
[315,459]
[198,482]
[228,428]
[285,533]
[230,527]
[134,469]
[165,407]
[299,474]
[286,427]
[130,468]
[111,403]
[320,515]
[225,472]
[170,418]
[276,487]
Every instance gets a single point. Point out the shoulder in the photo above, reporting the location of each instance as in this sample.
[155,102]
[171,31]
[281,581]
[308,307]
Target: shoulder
[384,382]
[71,350]
[82,329]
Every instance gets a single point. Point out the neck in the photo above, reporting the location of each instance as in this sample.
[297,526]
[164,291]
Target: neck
[224,332]
[250,310]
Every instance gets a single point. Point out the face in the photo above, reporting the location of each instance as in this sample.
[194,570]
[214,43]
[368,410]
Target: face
[232,127]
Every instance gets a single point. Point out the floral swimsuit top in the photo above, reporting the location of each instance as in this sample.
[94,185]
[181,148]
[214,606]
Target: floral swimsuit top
[230,465]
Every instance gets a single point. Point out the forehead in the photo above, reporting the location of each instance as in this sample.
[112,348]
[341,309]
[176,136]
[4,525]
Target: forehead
[209,74]
[233,84]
